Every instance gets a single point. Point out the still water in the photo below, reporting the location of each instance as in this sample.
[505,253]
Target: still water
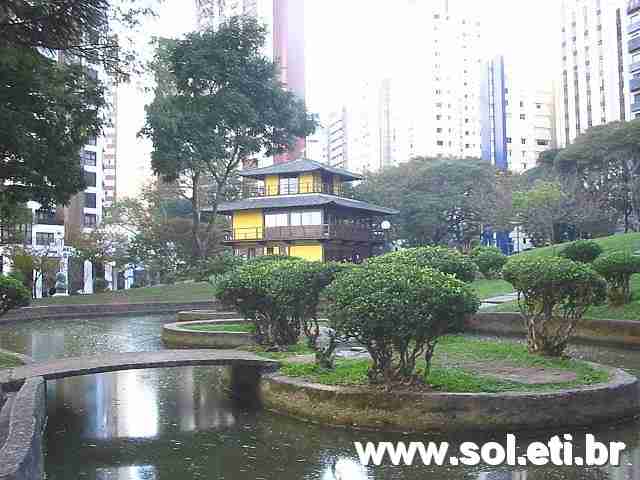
[178,423]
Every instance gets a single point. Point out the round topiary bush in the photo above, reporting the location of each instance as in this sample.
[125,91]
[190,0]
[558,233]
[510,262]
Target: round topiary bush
[583,251]
[617,269]
[445,260]
[279,297]
[13,294]
[489,260]
[397,312]
[553,295]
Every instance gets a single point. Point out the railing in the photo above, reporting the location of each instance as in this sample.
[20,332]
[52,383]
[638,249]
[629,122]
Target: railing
[633,6]
[45,218]
[291,189]
[352,233]
[634,44]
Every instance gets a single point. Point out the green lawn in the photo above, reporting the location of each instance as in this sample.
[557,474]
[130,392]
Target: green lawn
[491,288]
[229,327]
[627,241]
[452,369]
[180,292]
[7,360]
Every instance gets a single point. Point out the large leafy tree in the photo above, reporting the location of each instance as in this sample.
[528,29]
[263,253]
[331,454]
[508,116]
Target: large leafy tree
[96,31]
[605,162]
[48,111]
[218,101]
[441,200]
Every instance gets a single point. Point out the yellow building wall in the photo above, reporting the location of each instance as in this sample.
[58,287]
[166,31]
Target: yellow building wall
[305,182]
[271,184]
[313,253]
[247,225]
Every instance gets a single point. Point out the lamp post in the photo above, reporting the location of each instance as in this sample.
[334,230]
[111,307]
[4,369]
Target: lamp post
[386,227]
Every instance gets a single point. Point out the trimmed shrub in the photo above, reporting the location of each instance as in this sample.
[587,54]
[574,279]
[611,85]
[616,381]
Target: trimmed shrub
[489,260]
[397,312]
[279,297]
[583,251]
[553,295]
[13,294]
[445,260]
[617,269]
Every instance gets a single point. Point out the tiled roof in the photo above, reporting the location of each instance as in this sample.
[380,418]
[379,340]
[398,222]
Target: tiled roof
[306,200]
[298,166]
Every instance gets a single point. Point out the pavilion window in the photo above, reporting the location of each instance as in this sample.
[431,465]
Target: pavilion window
[288,185]
[276,220]
[306,217]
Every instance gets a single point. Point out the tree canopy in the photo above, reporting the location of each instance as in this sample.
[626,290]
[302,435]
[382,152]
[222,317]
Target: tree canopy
[48,111]
[218,101]
[441,200]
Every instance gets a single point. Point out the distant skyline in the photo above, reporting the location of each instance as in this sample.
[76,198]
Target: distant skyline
[345,41]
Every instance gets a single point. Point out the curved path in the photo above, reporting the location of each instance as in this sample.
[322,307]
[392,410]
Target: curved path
[71,367]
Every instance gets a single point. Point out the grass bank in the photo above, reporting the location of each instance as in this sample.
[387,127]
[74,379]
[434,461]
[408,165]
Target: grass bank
[230,327]
[180,292]
[8,361]
[456,363]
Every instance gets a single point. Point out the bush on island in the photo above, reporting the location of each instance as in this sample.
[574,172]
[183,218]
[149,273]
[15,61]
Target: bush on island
[397,312]
[553,295]
[617,269]
[13,294]
[489,260]
[583,251]
[279,297]
[445,260]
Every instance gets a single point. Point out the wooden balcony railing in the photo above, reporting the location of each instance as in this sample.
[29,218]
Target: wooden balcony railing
[352,233]
[253,191]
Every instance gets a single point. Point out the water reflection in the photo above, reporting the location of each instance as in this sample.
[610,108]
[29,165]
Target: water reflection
[169,424]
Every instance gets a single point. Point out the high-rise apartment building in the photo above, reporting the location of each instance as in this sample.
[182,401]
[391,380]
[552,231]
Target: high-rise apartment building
[284,20]
[517,116]
[337,139]
[592,84]
[633,29]
[110,152]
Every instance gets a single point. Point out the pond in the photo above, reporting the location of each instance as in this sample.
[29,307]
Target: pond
[179,423]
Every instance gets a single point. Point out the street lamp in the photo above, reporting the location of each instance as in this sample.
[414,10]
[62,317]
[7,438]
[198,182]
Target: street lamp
[386,227]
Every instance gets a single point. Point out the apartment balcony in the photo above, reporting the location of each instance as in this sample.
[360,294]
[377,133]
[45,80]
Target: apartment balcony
[634,67]
[634,44]
[253,191]
[635,107]
[634,27]
[46,218]
[633,6]
[634,84]
[348,233]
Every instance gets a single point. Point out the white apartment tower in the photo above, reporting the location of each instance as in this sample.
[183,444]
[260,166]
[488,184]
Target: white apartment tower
[517,116]
[592,88]
[337,139]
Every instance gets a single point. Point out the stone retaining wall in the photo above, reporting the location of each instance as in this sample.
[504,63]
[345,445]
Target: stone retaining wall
[452,412]
[110,309]
[21,456]
[609,332]
[178,334]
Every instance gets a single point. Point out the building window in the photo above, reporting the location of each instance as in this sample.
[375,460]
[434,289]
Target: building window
[542,142]
[523,141]
[288,185]
[44,238]
[88,158]
[90,178]
[508,139]
[91,141]
[90,200]
[440,143]
[523,116]
[251,252]
[306,217]
[90,220]
[276,220]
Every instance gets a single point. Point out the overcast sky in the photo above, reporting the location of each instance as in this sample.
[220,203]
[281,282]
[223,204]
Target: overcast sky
[342,37]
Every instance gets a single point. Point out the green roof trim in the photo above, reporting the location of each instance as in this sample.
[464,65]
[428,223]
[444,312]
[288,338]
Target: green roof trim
[298,166]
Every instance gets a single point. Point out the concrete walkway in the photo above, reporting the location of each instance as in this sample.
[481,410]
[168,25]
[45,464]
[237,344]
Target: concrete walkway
[70,367]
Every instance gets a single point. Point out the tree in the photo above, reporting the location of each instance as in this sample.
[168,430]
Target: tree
[48,111]
[97,31]
[439,200]
[540,210]
[606,163]
[102,245]
[217,102]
